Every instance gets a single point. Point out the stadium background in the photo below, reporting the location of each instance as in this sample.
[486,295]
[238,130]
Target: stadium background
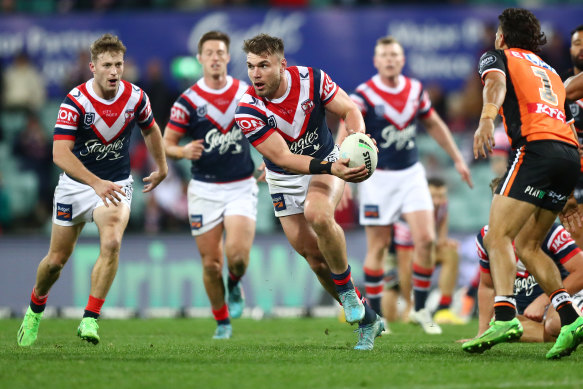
[160,266]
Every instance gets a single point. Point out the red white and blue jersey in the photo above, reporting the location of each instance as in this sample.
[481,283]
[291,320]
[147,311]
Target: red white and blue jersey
[101,129]
[390,116]
[209,114]
[298,116]
[558,244]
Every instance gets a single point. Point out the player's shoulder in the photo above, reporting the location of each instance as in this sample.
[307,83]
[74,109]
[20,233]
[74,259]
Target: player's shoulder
[133,87]
[490,58]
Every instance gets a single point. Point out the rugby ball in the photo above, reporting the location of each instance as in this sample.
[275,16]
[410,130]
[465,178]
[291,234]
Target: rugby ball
[361,150]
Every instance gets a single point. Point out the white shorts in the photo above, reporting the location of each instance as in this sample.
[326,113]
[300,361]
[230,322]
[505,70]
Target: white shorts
[388,194]
[209,203]
[288,191]
[74,202]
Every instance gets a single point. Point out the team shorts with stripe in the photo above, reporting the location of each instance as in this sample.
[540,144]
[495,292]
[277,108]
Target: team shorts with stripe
[543,173]
[74,202]
[388,194]
[289,191]
[209,203]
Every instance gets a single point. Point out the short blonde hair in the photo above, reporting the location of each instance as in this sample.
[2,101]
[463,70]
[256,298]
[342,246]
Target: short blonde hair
[388,40]
[106,43]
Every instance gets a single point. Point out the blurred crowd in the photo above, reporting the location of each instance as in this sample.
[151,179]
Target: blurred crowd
[30,113]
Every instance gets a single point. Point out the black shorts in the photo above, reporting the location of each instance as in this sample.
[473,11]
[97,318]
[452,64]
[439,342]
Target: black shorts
[543,173]
[579,190]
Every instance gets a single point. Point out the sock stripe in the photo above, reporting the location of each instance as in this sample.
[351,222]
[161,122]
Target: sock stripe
[374,290]
[556,292]
[373,273]
[221,313]
[504,304]
[422,271]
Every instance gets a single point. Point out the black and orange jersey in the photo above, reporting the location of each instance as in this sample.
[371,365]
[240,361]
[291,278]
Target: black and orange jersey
[534,107]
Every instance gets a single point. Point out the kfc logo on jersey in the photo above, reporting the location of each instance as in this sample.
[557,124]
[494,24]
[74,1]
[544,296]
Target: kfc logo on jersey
[328,85]
[307,106]
[67,117]
[554,113]
[250,125]
[89,119]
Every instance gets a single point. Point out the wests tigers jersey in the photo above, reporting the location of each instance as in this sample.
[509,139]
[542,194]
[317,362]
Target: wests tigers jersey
[101,129]
[298,116]
[205,113]
[534,107]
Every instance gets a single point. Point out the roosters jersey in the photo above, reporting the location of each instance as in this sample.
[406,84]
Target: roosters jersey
[209,114]
[534,107]
[390,116]
[558,244]
[101,129]
[298,116]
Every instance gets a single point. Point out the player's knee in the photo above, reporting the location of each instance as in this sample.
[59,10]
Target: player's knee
[237,265]
[110,246]
[526,249]
[425,242]
[55,263]
[319,220]
[213,267]
[552,327]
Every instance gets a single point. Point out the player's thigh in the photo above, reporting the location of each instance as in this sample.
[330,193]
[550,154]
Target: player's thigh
[377,237]
[300,235]
[323,195]
[111,222]
[239,235]
[508,216]
[210,245]
[63,240]
[422,225]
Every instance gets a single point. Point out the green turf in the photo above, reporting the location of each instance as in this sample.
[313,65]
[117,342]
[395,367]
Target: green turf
[278,353]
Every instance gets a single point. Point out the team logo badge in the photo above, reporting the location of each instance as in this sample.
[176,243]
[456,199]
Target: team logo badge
[371,211]
[272,122]
[574,109]
[64,212]
[195,222]
[379,110]
[89,119]
[278,201]
[307,106]
[201,111]
[129,115]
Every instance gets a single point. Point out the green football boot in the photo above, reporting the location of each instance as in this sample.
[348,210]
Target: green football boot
[28,330]
[569,338]
[499,332]
[88,330]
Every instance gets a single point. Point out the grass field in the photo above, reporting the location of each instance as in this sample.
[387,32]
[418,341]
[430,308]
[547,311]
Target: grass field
[276,353]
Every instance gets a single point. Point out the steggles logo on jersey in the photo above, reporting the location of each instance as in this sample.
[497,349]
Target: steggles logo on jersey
[307,106]
[307,141]
[89,119]
[201,111]
[402,139]
[216,139]
[101,151]
[525,285]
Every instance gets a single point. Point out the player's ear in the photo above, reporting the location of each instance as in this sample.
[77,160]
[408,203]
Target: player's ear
[92,67]
[283,65]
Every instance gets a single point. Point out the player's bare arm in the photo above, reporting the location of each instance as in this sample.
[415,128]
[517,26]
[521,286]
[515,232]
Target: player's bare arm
[343,107]
[493,96]
[191,151]
[64,158]
[276,150]
[574,87]
[437,128]
[155,145]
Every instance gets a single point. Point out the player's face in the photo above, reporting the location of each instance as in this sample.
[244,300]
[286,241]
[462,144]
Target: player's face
[438,195]
[577,49]
[214,58]
[107,70]
[499,41]
[389,60]
[265,72]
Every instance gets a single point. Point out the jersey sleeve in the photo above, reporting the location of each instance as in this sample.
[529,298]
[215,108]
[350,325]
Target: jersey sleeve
[559,244]
[180,115]
[482,253]
[328,88]
[568,113]
[252,120]
[69,119]
[425,107]
[491,61]
[359,101]
[144,113]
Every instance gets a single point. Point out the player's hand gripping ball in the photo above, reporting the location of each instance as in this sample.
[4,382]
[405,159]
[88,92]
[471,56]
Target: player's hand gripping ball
[361,150]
